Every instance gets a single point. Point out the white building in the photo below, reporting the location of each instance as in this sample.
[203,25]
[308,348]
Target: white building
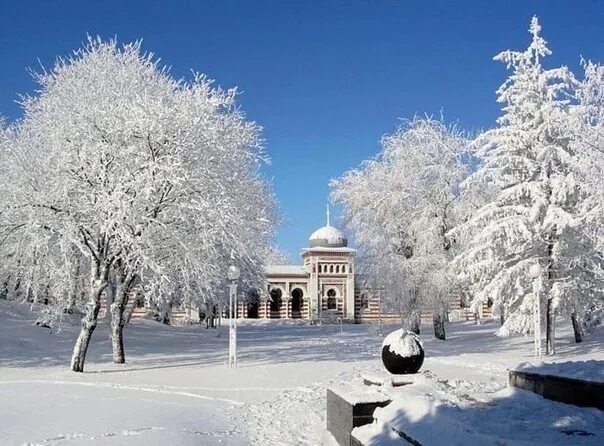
[323,287]
[323,284]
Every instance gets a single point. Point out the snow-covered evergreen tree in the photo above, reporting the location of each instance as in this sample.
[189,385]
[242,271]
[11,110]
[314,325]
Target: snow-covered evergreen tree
[539,205]
[589,143]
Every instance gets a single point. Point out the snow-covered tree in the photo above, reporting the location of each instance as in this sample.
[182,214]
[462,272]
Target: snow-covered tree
[400,207]
[537,214]
[276,256]
[152,179]
[589,144]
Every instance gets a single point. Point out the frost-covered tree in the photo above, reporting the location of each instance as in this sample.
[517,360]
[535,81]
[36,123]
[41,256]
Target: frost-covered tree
[537,214]
[276,256]
[25,256]
[589,144]
[7,228]
[151,179]
[400,206]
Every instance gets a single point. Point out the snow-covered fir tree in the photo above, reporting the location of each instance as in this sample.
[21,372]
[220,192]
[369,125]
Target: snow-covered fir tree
[537,215]
[589,143]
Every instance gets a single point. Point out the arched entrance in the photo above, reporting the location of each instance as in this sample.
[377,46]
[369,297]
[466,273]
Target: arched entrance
[297,301]
[276,302]
[253,300]
[331,299]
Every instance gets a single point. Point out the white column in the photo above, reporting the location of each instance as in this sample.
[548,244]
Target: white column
[313,286]
[350,290]
[287,299]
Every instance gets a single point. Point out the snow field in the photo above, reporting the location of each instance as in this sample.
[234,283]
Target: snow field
[176,389]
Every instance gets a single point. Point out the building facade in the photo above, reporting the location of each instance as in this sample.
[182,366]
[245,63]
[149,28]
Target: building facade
[323,287]
[327,287]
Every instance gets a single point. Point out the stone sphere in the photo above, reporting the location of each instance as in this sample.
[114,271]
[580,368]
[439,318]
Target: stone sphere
[402,352]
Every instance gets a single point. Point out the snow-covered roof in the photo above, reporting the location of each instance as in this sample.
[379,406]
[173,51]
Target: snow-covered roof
[328,236]
[285,270]
[328,249]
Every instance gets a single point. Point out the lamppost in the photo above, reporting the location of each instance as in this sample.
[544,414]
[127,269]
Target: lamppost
[535,273]
[233,275]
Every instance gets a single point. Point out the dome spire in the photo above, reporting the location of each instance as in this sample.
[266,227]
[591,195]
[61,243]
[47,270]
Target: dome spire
[328,236]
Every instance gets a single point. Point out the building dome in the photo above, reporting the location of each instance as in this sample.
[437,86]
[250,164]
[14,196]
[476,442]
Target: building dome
[328,237]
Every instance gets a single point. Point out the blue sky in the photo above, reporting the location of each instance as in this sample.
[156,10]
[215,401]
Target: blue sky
[326,79]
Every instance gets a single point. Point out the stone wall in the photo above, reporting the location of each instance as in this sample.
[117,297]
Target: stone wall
[558,388]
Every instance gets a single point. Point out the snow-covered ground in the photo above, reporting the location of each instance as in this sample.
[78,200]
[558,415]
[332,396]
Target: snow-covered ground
[176,389]
[591,370]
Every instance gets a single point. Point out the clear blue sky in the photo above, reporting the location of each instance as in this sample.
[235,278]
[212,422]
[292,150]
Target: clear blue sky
[326,79]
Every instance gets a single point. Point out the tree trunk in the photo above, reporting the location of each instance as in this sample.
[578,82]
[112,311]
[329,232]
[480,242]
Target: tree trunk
[577,327]
[414,323]
[117,325]
[117,338]
[110,297]
[14,293]
[165,310]
[212,318]
[411,321]
[4,289]
[121,294]
[220,310]
[415,319]
[129,310]
[409,312]
[439,325]
[89,321]
[550,347]
[551,238]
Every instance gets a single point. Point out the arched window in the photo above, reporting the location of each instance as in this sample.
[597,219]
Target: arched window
[253,299]
[331,299]
[331,268]
[297,296]
[338,269]
[344,268]
[276,299]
